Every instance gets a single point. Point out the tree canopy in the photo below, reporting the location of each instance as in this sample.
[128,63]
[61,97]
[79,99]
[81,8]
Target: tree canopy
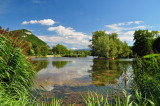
[59,49]
[143,42]
[108,45]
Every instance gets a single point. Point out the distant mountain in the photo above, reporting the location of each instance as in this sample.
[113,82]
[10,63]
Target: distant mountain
[28,36]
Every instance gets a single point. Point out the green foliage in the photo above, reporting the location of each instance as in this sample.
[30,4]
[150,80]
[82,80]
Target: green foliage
[96,99]
[126,50]
[40,64]
[156,45]
[143,42]
[108,45]
[37,46]
[102,46]
[79,53]
[62,50]
[147,78]
[59,49]
[59,64]
[16,76]
[28,36]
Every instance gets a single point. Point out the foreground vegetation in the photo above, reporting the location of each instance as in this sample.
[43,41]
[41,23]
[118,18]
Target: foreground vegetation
[17,73]
[147,77]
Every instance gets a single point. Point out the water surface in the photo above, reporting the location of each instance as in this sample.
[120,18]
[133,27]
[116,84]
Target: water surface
[69,78]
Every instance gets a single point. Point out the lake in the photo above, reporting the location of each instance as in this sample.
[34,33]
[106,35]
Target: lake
[69,78]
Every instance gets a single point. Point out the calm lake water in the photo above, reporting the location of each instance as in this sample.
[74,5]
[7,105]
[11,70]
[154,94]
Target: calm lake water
[69,78]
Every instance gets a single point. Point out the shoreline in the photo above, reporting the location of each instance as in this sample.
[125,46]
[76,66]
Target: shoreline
[44,56]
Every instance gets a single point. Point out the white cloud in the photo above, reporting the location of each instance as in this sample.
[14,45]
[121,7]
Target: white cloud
[25,22]
[68,32]
[118,27]
[68,35]
[138,22]
[47,22]
[125,30]
[130,33]
[59,39]
[126,38]
[73,48]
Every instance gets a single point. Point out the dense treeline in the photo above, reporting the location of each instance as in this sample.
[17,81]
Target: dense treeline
[108,45]
[63,51]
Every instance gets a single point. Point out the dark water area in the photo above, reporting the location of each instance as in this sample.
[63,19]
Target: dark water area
[69,78]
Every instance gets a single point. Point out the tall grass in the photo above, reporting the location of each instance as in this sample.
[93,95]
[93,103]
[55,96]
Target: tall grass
[16,75]
[147,78]
[96,99]
[17,78]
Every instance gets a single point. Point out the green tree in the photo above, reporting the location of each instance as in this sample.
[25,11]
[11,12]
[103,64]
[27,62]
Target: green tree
[102,46]
[113,48]
[44,50]
[155,33]
[60,49]
[143,42]
[37,51]
[156,45]
[95,36]
[108,45]
[126,50]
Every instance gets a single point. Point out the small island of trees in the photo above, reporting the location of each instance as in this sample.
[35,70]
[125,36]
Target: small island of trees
[108,45]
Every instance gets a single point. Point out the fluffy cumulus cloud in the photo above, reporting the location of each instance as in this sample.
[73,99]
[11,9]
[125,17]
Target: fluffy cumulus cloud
[47,22]
[69,32]
[125,30]
[67,35]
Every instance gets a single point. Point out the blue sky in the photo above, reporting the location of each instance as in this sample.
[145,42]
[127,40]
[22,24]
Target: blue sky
[71,22]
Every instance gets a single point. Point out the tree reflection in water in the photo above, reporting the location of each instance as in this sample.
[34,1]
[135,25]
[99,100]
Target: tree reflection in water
[108,71]
[41,64]
[59,64]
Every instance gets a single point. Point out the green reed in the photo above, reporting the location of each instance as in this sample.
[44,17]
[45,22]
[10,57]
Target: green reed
[16,75]
[147,78]
[136,99]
